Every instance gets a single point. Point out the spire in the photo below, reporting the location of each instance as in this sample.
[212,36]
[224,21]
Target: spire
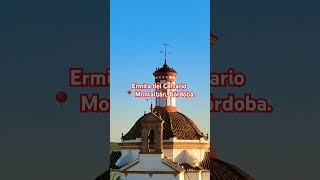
[165,52]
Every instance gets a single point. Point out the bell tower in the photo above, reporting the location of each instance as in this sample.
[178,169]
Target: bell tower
[165,75]
[152,134]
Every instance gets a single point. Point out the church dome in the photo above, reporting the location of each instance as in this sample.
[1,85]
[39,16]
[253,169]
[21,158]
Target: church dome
[175,125]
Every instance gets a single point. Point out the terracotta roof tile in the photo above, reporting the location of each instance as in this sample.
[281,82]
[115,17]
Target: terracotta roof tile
[176,125]
[221,170]
[164,68]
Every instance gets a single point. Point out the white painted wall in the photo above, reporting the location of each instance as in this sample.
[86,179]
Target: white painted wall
[205,175]
[192,176]
[170,101]
[128,156]
[172,154]
[176,154]
[151,162]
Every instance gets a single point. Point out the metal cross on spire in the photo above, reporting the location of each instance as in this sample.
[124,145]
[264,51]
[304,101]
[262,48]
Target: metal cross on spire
[165,52]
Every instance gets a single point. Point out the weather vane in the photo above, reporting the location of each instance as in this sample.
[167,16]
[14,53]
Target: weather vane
[165,52]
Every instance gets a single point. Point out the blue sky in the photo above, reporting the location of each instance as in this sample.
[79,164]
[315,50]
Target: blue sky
[138,30]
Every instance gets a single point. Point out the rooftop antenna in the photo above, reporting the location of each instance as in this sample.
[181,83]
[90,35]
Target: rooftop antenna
[165,52]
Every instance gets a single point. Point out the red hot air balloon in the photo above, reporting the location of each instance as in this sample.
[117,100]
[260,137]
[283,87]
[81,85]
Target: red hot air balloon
[61,97]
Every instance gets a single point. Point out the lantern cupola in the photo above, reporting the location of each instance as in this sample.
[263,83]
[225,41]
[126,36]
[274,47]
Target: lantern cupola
[165,75]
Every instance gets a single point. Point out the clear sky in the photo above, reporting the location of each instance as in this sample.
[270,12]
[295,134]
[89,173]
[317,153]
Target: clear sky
[138,30]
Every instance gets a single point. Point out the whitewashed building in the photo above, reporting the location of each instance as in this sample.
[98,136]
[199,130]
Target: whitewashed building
[166,144]
[162,144]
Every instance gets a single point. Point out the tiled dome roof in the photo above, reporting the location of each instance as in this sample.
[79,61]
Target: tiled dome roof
[220,170]
[175,124]
[224,171]
[164,68]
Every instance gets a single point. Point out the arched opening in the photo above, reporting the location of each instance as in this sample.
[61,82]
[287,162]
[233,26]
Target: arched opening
[151,140]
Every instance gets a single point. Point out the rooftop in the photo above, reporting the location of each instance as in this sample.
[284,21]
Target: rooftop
[175,125]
